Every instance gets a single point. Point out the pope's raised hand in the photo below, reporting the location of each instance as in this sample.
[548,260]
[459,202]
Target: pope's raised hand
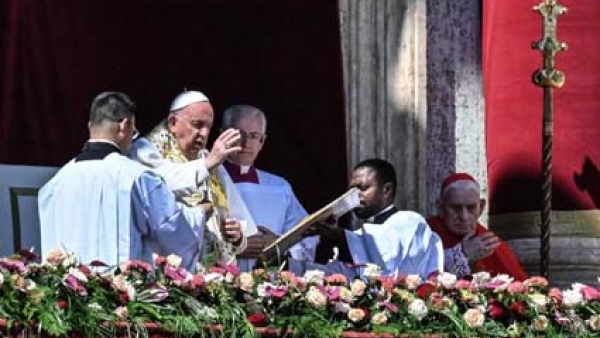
[229,142]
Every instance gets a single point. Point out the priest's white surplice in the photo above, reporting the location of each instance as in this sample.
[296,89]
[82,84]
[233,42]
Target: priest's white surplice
[274,205]
[113,210]
[403,244]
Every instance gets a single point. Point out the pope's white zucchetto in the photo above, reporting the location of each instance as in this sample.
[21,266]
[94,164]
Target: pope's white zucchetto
[186,98]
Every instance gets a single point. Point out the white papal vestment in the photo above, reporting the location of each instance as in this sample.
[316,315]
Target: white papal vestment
[184,179]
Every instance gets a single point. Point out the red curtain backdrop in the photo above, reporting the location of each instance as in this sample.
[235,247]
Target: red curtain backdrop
[282,56]
[514,107]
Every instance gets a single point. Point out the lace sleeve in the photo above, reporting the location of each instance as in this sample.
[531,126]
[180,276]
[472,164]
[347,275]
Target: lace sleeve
[456,262]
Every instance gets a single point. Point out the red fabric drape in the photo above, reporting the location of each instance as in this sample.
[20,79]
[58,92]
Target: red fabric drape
[514,107]
[282,56]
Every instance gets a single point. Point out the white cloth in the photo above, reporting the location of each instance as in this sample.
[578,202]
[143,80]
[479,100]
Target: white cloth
[114,210]
[403,244]
[274,205]
[184,179]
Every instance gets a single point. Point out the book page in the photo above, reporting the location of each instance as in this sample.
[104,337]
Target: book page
[341,205]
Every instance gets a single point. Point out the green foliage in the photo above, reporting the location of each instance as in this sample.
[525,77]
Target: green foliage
[61,297]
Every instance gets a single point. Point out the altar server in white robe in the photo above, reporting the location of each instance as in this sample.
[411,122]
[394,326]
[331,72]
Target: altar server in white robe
[176,149]
[104,206]
[399,242]
[270,198]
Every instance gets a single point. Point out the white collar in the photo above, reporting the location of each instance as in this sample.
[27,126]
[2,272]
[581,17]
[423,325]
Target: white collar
[386,209]
[244,169]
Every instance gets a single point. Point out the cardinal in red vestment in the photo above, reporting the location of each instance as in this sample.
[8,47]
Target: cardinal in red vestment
[468,246]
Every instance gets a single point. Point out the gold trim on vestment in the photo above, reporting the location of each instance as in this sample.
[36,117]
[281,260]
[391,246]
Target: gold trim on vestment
[167,145]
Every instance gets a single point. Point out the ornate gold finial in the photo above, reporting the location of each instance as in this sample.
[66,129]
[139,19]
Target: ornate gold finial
[549,45]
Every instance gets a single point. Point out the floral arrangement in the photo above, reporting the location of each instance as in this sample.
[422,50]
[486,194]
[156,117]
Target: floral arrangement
[60,296]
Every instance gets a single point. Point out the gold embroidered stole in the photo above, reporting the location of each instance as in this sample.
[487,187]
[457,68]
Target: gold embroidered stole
[212,191]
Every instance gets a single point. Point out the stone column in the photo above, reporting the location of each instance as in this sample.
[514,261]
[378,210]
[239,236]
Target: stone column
[384,44]
[455,105]
[414,91]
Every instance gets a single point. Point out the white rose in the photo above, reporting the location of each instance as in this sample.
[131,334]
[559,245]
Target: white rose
[540,323]
[474,317]
[245,281]
[594,323]
[173,261]
[502,282]
[314,276]
[122,312]
[540,301]
[71,260]
[342,307]
[372,271]
[358,287]
[346,294]
[379,318]
[30,285]
[316,298]
[261,289]
[447,280]
[418,309]
[56,257]
[1,279]
[356,315]
[121,283]
[572,298]
[412,281]
[480,278]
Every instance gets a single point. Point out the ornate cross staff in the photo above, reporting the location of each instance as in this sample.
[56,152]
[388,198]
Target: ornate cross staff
[549,78]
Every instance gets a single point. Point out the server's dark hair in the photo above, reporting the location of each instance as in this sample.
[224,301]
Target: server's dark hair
[111,106]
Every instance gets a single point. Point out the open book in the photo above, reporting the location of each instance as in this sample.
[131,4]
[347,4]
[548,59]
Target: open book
[341,205]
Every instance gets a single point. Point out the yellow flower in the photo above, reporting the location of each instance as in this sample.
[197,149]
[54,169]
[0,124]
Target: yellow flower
[540,323]
[412,281]
[356,315]
[245,281]
[358,287]
[594,323]
[379,318]
[316,298]
[474,317]
[174,261]
[56,257]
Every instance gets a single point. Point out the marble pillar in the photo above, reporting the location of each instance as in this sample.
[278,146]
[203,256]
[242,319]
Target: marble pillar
[384,46]
[414,93]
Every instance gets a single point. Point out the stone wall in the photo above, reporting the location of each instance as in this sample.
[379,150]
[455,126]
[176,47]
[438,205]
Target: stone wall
[413,91]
